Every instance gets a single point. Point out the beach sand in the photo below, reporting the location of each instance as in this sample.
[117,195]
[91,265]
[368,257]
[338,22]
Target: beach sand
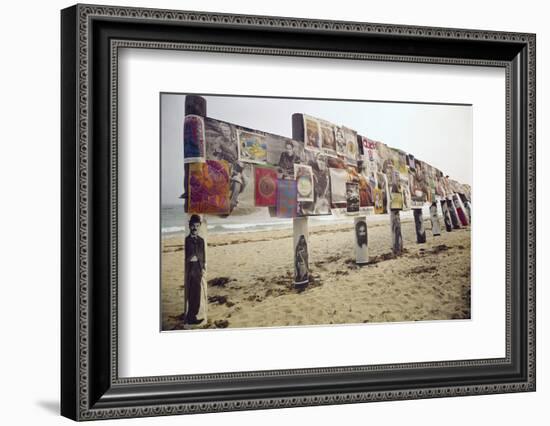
[250,278]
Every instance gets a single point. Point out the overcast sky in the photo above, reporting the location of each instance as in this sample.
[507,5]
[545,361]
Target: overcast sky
[440,135]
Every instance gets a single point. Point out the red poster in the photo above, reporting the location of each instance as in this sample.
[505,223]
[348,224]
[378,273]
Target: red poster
[265,186]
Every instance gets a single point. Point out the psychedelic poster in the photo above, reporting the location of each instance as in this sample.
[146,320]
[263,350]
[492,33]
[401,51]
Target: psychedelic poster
[193,139]
[252,147]
[304,182]
[209,187]
[265,186]
[286,198]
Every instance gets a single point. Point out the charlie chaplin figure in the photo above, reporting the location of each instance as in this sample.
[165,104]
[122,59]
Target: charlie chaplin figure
[195,261]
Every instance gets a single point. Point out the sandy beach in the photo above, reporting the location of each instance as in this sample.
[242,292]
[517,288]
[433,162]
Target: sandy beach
[250,278]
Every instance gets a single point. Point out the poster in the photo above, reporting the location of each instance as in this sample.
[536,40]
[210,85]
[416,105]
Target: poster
[193,139]
[265,185]
[286,198]
[283,153]
[352,197]
[338,179]
[303,175]
[419,226]
[361,240]
[221,140]
[209,187]
[301,251]
[252,147]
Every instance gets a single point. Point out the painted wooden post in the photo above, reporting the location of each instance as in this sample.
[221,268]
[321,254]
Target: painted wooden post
[301,251]
[361,240]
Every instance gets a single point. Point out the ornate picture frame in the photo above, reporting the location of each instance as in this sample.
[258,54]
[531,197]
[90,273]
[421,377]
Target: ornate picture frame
[91,37]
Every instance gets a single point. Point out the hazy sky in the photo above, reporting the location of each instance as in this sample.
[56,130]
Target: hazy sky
[440,135]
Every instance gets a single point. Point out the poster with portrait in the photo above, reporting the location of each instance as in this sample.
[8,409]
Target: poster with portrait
[361,240]
[265,186]
[312,133]
[283,153]
[221,141]
[301,251]
[328,138]
[321,186]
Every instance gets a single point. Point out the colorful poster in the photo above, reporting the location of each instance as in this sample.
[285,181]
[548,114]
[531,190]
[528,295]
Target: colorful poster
[379,202]
[209,187]
[352,197]
[370,156]
[286,198]
[338,179]
[193,139]
[252,147]
[361,240]
[312,133]
[265,186]
[304,182]
[453,213]
[366,197]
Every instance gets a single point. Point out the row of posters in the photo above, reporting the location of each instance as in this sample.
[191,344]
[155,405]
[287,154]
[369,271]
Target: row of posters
[233,170]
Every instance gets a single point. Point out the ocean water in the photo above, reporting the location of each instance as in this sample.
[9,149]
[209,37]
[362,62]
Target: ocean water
[173,219]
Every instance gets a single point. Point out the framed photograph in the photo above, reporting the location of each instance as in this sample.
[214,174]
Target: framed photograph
[263,212]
